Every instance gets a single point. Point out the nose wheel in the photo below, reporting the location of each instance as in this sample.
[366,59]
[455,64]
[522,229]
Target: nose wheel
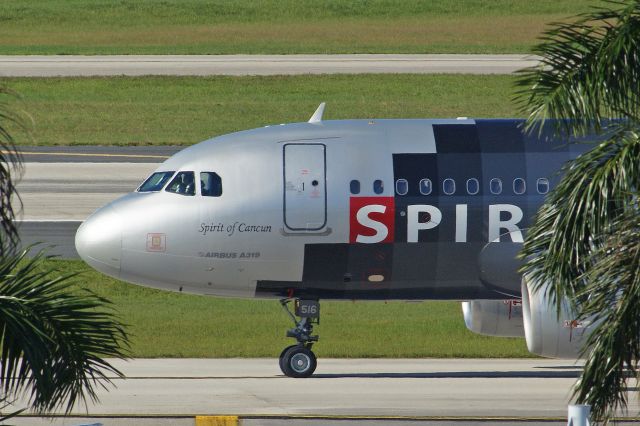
[298,360]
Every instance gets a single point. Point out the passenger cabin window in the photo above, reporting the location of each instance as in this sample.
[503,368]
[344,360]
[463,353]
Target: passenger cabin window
[542,185]
[378,186]
[495,186]
[402,187]
[210,184]
[183,184]
[449,186]
[354,186]
[519,186]
[473,186]
[155,182]
[425,186]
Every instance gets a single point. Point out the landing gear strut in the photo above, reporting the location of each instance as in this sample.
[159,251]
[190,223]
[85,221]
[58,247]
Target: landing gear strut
[298,360]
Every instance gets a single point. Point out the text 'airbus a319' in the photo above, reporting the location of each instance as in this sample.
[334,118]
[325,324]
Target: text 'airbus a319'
[349,210]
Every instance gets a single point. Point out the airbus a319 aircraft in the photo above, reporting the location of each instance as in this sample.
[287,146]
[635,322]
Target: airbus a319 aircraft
[346,210]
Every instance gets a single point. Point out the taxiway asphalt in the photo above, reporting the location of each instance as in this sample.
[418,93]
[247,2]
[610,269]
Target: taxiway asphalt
[425,389]
[204,65]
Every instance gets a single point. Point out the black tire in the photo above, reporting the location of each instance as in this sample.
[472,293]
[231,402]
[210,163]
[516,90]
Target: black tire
[299,362]
[281,359]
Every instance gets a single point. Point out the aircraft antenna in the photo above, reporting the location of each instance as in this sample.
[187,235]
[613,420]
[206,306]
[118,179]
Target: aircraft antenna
[317,116]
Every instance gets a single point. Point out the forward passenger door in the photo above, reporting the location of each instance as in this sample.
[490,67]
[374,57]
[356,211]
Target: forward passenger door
[305,192]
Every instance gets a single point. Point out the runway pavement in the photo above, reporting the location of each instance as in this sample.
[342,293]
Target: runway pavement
[72,191]
[410,389]
[58,196]
[97,154]
[290,421]
[202,65]
[56,236]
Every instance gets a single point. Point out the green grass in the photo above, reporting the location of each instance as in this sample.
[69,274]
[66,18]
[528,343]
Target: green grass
[276,26]
[165,324]
[186,110]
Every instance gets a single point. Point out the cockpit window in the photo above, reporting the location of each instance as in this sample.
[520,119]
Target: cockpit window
[155,182]
[210,184]
[183,184]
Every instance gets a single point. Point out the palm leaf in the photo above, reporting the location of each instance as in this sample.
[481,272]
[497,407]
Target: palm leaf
[594,190]
[610,302]
[589,71]
[584,245]
[10,169]
[53,341]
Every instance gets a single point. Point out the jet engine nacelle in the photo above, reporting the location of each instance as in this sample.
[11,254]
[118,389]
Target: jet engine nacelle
[547,334]
[494,317]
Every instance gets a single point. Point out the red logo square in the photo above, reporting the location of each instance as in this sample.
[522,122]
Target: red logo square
[371,220]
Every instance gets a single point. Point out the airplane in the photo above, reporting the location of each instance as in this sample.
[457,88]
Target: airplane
[373,209]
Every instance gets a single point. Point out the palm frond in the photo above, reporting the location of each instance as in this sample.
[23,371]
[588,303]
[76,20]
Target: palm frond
[584,245]
[10,169]
[610,301]
[589,71]
[53,341]
[593,192]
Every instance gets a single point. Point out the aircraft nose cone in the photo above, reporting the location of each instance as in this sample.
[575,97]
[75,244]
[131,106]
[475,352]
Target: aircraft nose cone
[99,241]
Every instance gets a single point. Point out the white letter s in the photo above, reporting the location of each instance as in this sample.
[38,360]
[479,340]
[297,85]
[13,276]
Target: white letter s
[363,218]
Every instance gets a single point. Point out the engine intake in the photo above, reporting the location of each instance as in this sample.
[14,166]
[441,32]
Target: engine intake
[547,334]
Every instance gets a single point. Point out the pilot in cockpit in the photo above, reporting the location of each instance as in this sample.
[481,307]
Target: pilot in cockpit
[183,183]
[189,184]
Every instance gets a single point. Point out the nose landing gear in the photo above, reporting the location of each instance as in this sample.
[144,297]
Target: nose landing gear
[298,360]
